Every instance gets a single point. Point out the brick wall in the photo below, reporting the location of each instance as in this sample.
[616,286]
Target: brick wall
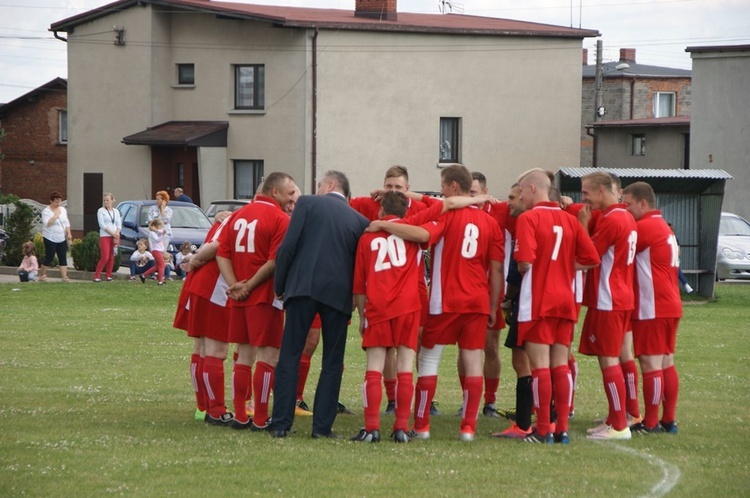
[35,163]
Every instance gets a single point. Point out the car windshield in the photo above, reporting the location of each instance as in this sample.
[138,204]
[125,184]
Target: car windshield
[183,217]
[223,206]
[734,226]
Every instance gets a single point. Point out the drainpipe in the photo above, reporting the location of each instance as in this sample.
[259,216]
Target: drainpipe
[314,147]
[59,37]
[594,147]
[632,96]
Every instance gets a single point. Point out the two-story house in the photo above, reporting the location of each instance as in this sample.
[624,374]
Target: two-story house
[214,95]
[638,116]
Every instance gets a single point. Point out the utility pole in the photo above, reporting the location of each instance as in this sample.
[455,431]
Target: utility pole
[598,82]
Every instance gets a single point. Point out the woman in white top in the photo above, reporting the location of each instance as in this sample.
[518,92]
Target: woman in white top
[110,225]
[57,237]
[162,212]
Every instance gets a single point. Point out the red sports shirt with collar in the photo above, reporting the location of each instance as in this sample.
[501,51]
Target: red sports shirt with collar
[250,240]
[609,286]
[657,262]
[207,281]
[463,241]
[370,208]
[386,270]
[551,240]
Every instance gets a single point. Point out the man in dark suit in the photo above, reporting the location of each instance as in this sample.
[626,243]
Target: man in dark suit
[314,274]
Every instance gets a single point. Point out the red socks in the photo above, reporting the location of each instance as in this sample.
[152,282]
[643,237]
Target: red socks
[472,398]
[614,387]
[213,379]
[490,390]
[671,391]
[196,374]
[390,389]
[262,385]
[562,383]
[241,375]
[424,392]
[304,369]
[573,367]
[630,372]
[372,395]
[541,386]
[404,394]
[653,392]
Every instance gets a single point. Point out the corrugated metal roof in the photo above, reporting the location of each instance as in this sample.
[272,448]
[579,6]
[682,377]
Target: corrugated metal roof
[706,174]
[299,17]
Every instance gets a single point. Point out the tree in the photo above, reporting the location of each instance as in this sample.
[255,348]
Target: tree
[19,226]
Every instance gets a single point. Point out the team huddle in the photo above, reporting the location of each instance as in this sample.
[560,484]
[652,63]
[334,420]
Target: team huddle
[284,269]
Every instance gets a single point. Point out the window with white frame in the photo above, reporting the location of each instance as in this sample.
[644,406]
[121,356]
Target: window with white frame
[63,126]
[186,74]
[449,140]
[664,104]
[638,145]
[249,86]
[248,174]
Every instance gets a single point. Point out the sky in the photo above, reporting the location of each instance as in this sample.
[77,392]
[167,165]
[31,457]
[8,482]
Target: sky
[659,30]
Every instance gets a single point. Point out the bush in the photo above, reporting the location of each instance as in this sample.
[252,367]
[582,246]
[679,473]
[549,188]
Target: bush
[19,225]
[85,253]
[41,251]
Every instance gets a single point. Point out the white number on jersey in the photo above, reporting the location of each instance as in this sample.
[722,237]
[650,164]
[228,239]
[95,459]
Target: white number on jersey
[632,240]
[391,248]
[242,226]
[470,244]
[558,230]
[672,241]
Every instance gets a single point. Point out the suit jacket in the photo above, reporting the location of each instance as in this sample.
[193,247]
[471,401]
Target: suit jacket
[316,257]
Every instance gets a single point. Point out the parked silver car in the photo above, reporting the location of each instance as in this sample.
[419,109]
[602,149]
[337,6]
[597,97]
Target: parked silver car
[733,248]
[225,205]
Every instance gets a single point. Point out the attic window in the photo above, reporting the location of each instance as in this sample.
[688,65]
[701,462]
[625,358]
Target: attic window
[664,104]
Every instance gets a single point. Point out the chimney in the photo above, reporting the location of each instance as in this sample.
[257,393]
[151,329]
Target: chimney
[585,57]
[627,55]
[383,10]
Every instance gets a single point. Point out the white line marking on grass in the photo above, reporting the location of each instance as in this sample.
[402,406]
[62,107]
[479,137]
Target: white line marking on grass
[670,473]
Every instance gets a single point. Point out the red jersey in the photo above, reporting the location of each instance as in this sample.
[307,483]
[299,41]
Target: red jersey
[552,241]
[386,270]
[207,281]
[251,240]
[609,287]
[657,261]
[464,242]
[370,208]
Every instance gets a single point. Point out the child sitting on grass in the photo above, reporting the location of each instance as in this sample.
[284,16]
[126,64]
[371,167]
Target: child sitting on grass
[29,266]
[141,260]
[185,248]
[168,266]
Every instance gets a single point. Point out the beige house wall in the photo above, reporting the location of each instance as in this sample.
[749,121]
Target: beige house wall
[665,147]
[720,127]
[381,97]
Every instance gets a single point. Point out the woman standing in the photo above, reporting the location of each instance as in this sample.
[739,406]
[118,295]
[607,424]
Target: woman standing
[162,212]
[57,237]
[110,225]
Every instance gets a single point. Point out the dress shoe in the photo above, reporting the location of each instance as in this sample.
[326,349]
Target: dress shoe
[279,433]
[330,435]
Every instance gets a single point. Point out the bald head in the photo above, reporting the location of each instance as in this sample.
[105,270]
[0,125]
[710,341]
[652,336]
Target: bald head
[535,186]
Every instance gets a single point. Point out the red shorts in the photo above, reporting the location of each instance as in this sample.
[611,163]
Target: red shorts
[628,324]
[468,330]
[603,332]
[655,337]
[316,324]
[549,330]
[258,325]
[181,318]
[402,330]
[206,319]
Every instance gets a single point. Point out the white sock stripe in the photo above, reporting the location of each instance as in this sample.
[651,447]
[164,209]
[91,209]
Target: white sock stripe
[422,403]
[632,388]
[614,396]
[658,392]
[209,391]
[535,391]
[570,393]
[266,387]
[364,394]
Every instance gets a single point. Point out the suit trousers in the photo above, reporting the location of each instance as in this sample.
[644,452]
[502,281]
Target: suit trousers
[300,312]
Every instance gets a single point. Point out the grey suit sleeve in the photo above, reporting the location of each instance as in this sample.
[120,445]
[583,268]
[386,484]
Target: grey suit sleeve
[287,251]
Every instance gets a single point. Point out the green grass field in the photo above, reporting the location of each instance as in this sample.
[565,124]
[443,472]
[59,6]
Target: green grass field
[95,399]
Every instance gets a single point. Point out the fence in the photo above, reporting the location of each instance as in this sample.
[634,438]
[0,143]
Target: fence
[7,209]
